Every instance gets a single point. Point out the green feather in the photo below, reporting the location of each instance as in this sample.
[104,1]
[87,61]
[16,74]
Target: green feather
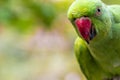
[115,10]
[100,59]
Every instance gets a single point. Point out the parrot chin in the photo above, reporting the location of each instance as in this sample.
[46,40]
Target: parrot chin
[85,28]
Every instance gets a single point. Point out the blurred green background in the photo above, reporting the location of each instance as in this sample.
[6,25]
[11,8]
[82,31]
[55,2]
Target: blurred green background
[36,40]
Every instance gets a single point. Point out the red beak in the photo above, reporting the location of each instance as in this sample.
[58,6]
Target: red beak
[84,26]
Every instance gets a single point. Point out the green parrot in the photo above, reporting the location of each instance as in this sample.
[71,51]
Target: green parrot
[97,47]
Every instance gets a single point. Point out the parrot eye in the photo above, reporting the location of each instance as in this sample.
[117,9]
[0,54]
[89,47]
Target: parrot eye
[98,11]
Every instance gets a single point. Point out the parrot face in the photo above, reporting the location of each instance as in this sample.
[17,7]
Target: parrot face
[90,19]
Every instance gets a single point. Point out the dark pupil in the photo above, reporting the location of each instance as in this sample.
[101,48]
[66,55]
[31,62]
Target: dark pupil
[99,10]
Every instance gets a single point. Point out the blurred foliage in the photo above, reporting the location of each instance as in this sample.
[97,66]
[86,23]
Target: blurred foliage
[111,1]
[42,12]
[22,14]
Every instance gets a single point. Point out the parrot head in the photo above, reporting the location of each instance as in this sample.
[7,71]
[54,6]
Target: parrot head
[91,19]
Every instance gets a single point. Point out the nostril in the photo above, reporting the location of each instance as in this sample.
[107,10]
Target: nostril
[74,19]
[85,16]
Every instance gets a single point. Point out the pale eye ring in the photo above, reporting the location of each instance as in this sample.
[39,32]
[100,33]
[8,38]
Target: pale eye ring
[98,12]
